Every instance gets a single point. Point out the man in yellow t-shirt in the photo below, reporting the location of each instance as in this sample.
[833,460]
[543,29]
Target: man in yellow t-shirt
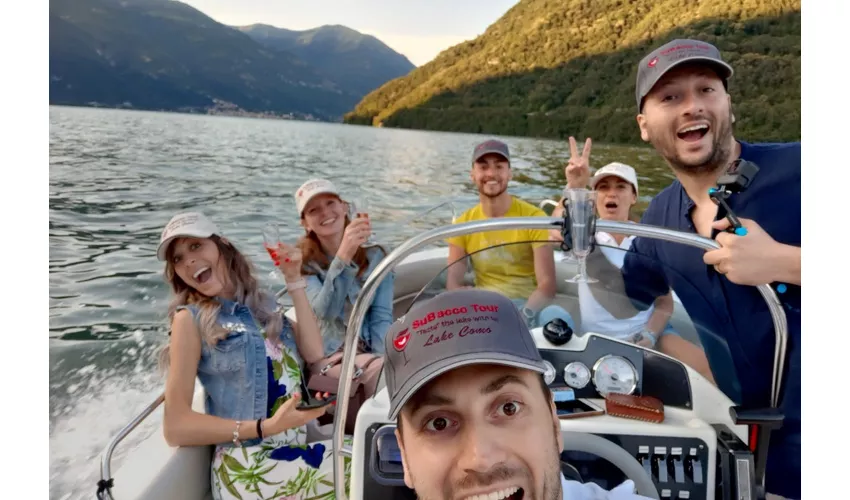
[523,268]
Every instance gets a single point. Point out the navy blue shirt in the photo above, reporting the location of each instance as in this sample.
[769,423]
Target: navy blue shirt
[737,314]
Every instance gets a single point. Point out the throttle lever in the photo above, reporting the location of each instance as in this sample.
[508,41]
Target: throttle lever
[761,422]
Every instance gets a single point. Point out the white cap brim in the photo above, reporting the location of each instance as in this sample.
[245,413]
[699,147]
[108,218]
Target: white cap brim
[596,178]
[163,245]
[313,195]
[185,225]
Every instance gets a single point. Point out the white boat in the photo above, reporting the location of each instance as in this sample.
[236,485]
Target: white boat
[700,451]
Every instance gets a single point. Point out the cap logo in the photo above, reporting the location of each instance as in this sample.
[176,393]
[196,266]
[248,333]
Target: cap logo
[699,46]
[317,184]
[653,62]
[186,220]
[401,340]
[300,192]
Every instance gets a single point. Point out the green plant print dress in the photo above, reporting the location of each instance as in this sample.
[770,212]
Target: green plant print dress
[282,466]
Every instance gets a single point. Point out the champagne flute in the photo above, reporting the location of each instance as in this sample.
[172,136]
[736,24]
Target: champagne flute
[357,209]
[271,240]
[582,207]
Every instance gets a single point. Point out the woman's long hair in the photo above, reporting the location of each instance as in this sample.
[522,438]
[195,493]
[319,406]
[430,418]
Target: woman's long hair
[312,253]
[247,292]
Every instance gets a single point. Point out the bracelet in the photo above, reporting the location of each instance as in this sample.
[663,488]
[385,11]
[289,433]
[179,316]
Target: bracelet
[653,337]
[296,285]
[260,428]
[236,441]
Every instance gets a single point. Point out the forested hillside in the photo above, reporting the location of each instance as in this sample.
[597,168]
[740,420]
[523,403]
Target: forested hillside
[550,68]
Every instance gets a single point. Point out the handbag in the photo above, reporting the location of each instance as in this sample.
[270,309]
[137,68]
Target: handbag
[324,377]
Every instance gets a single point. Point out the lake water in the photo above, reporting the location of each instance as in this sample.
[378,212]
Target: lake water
[116,177]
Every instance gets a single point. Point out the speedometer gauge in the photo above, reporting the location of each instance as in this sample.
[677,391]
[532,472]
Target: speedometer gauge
[614,374]
[550,373]
[576,375]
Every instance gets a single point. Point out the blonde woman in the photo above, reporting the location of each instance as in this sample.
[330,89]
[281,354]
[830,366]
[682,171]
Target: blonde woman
[228,334]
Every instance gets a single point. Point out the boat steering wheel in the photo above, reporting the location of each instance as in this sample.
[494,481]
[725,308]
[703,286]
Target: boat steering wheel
[620,458]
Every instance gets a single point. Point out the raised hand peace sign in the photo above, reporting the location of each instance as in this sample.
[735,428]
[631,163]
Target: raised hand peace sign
[577,171]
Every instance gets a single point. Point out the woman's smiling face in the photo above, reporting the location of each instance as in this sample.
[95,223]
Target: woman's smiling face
[325,215]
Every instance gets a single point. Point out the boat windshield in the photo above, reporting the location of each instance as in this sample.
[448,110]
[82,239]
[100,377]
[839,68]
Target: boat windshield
[617,304]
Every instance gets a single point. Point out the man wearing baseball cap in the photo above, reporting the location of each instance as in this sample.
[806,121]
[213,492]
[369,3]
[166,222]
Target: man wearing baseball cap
[522,263]
[685,112]
[474,416]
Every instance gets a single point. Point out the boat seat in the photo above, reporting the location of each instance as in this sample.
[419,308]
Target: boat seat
[316,432]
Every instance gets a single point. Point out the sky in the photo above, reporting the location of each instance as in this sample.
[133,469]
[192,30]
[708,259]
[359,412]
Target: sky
[419,29]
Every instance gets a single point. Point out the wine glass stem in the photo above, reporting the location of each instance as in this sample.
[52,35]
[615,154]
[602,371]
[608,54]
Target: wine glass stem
[582,267]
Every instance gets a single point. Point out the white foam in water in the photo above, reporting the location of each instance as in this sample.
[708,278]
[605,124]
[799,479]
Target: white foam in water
[89,413]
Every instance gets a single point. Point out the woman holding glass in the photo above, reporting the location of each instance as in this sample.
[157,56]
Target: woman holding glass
[338,257]
[226,332]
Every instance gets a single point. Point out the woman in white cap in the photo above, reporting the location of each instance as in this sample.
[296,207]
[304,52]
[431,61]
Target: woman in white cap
[228,333]
[617,187]
[617,192]
[337,265]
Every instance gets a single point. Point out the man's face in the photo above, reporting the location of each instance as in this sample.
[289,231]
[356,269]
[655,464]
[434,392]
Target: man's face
[491,174]
[687,117]
[480,430]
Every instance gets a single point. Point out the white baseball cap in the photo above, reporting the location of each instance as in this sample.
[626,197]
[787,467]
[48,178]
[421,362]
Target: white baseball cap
[187,224]
[310,189]
[616,169]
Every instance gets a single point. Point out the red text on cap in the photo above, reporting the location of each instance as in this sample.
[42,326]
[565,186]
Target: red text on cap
[452,311]
[464,331]
[685,46]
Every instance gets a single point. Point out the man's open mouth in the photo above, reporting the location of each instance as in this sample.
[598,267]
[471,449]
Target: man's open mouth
[693,133]
[512,493]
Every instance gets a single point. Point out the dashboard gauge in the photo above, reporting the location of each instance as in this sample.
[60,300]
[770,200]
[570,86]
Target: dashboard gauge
[614,374]
[576,375]
[550,373]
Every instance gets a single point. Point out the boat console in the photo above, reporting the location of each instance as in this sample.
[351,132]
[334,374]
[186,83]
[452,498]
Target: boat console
[680,457]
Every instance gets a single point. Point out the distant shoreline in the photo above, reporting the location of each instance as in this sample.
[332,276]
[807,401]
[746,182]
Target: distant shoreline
[232,112]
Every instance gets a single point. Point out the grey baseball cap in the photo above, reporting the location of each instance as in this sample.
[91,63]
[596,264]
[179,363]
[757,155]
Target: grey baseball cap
[491,146]
[454,329]
[671,54]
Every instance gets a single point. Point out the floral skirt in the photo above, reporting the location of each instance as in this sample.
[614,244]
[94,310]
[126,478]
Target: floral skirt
[276,470]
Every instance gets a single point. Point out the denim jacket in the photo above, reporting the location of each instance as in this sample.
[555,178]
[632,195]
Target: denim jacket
[334,288]
[234,372]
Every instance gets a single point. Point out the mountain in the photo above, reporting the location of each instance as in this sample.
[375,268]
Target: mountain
[551,68]
[163,54]
[354,61]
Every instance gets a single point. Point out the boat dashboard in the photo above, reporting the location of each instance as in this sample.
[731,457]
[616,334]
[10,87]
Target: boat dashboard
[604,365]
[680,455]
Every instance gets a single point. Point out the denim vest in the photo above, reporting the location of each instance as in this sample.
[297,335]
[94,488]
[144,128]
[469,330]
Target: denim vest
[234,372]
[332,293]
